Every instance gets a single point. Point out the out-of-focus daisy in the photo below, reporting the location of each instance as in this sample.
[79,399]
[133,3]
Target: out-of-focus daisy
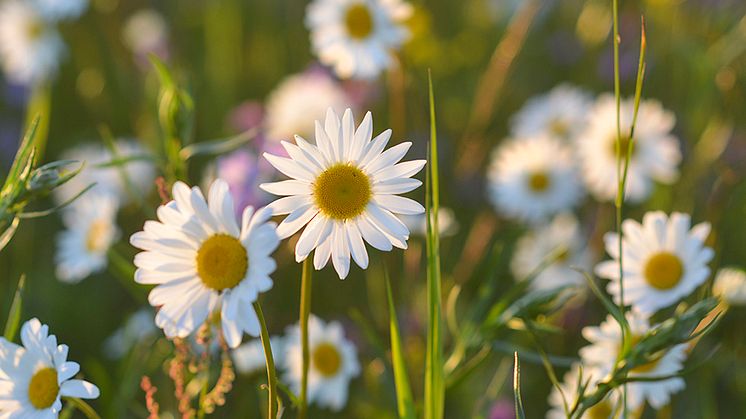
[664,260]
[34,377]
[249,357]
[138,327]
[333,363]
[606,341]
[606,408]
[300,100]
[203,261]
[533,179]
[146,32]
[730,285]
[109,179]
[561,113]
[91,230]
[560,241]
[655,154]
[344,189]
[417,224]
[357,37]
[60,9]
[30,48]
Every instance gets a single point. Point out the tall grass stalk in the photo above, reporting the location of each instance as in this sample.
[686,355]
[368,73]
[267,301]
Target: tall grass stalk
[404,400]
[305,311]
[272,405]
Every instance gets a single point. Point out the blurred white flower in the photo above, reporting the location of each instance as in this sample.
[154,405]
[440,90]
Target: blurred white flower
[249,357]
[533,179]
[30,47]
[344,190]
[333,363]
[34,377]
[664,260]
[357,37]
[730,285]
[203,261]
[108,179]
[417,224]
[606,341]
[570,385]
[60,9]
[655,155]
[145,32]
[91,230]
[298,101]
[560,113]
[138,327]
[561,239]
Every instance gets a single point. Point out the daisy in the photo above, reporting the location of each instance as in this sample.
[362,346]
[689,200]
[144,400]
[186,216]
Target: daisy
[146,32]
[34,377]
[561,113]
[561,240]
[60,9]
[300,100]
[203,261]
[139,171]
[604,409]
[91,230]
[730,285]
[606,341]
[356,37]
[30,48]
[417,224]
[249,357]
[664,260]
[344,189]
[333,363]
[654,157]
[533,179]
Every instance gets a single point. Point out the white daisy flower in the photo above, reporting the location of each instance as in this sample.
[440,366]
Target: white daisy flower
[664,260]
[145,32]
[333,363]
[138,327]
[533,179]
[417,224]
[344,188]
[30,48]
[60,9]
[91,230]
[357,37]
[604,409]
[730,285]
[655,154]
[249,357]
[34,377]
[560,113]
[108,179]
[561,239]
[203,261]
[606,341]
[300,100]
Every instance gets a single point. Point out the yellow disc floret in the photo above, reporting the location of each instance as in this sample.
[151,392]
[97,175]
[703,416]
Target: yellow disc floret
[43,388]
[342,191]
[538,182]
[663,270]
[358,21]
[222,262]
[326,359]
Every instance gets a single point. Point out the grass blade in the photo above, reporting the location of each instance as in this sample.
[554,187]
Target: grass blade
[305,311]
[519,413]
[14,315]
[434,381]
[404,399]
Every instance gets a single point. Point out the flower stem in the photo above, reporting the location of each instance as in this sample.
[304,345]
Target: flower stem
[84,407]
[271,372]
[305,311]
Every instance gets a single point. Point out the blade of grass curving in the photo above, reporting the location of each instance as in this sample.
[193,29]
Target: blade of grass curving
[434,382]
[612,308]
[305,312]
[519,413]
[219,146]
[547,365]
[404,400]
[44,213]
[22,155]
[14,315]
[273,405]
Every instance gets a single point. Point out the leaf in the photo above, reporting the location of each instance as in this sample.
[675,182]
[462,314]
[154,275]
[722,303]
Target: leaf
[9,232]
[22,155]
[219,146]
[612,308]
[44,213]
[404,400]
[14,315]
[519,413]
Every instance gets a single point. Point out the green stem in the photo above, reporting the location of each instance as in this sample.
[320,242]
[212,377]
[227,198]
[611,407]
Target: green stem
[305,311]
[39,105]
[271,372]
[84,407]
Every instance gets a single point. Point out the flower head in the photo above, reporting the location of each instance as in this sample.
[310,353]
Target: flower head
[730,285]
[344,190]
[203,261]
[570,385]
[561,113]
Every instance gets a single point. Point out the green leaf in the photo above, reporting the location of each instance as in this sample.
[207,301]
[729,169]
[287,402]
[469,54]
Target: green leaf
[21,159]
[404,399]
[14,315]
[612,308]
[519,413]
[434,371]
[219,146]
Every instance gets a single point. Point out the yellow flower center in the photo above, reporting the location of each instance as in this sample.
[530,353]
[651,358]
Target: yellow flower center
[222,262]
[359,21]
[34,29]
[538,182]
[96,239]
[326,359]
[43,388]
[663,270]
[342,191]
[559,128]
[623,147]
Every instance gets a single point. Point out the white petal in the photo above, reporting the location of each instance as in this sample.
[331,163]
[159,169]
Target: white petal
[373,235]
[399,204]
[287,188]
[400,170]
[80,389]
[288,204]
[357,246]
[289,167]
